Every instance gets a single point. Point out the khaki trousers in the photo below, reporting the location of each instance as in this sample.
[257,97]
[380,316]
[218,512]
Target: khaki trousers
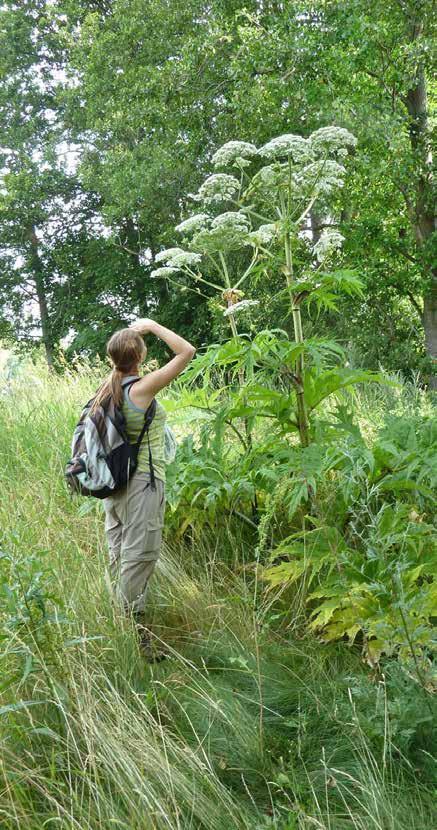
[134,519]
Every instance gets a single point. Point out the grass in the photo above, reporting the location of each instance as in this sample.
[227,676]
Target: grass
[250,724]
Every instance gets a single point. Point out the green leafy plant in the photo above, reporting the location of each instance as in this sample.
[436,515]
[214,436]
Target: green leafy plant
[30,617]
[371,573]
[272,191]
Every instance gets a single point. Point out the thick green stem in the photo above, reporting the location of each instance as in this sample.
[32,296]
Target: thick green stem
[232,324]
[225,270]
[299,366]
[230,301]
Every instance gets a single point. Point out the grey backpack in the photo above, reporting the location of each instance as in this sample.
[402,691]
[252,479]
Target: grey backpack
[102,458]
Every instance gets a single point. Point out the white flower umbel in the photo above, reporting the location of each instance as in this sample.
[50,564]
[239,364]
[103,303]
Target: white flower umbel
[219,240]
[332,140]
[329,243]
[289,145]
[237,307]
[228,232]
[194,223]
[219,187]
[231,219]
[268,176]
[322,176]
[263,235]
[166,271]
[168,254]
[185,259]
[233,152]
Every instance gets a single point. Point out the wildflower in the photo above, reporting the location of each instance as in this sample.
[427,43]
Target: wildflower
[168,254]
[233,152]
[332,139]
[193,223]
[164,272]
[270,176]
[298,148]
[231,219]
[330,241]
[324,176]
[263,235]
[185,259]
[228,231]
[218,188]
[277,175]
[237,307]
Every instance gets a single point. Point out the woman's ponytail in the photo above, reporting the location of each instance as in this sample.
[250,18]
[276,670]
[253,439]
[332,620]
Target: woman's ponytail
[116,387]
[126,350]
[110,388]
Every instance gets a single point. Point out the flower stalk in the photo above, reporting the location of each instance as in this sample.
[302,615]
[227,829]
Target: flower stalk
[298,376]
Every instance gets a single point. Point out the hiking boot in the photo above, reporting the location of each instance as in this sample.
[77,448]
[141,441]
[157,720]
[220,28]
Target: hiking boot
[147,649]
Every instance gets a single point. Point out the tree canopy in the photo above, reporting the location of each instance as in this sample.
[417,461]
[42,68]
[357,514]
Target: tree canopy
[112,110]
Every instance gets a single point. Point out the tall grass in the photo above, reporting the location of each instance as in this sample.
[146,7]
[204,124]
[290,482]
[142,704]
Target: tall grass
[249,724]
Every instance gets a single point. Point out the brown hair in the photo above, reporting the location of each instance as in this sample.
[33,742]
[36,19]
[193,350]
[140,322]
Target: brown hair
[125,350]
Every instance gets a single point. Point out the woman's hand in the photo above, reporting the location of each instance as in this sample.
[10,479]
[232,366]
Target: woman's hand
[143,326]
[145,389]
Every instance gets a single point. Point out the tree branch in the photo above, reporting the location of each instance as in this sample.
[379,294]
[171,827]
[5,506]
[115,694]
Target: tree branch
[415,304]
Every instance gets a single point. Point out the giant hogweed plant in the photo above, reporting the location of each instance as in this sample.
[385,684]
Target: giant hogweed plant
[365,567]
[257,214]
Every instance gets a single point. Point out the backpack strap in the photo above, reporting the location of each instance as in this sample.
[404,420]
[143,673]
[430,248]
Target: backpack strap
[148,418]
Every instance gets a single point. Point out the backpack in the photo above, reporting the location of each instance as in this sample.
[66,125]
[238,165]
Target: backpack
[102,458]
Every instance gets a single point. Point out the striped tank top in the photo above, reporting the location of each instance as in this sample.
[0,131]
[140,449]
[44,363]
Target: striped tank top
[134,423]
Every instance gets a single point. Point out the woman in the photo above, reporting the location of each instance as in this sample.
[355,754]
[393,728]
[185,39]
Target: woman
[135,516]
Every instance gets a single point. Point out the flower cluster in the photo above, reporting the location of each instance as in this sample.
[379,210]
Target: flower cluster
[332,140]
[219,187]
[186,259]
[228,231]
[168,254]
[233,152]
[329,243]
[263,235]
[193,223]
[288,145]
[165,271]
[270,175]
[231,219]
[278,175]
[322,176]
[237,307]
[175,259]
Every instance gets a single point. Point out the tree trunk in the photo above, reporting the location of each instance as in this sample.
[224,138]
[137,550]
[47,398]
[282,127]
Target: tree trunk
[424,220]
[38,276]
[430,325]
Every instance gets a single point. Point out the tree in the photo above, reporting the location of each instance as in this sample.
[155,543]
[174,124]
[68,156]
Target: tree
[149,89]
[382,61]
[160,88]
[43,209]
[61,273]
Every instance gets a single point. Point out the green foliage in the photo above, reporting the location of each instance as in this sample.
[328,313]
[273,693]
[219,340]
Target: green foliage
[30,618]
[371,572]
[110,114]
[364,548]
[251,721]
[301,503]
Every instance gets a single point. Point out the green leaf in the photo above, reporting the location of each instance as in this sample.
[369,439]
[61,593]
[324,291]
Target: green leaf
[20,704]
[319,386]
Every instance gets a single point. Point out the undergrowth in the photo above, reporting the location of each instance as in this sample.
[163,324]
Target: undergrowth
[252,723]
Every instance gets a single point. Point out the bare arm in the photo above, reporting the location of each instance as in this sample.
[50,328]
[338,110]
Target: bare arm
[145,389]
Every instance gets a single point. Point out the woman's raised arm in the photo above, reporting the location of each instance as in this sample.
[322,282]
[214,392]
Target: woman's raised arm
[146,388]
